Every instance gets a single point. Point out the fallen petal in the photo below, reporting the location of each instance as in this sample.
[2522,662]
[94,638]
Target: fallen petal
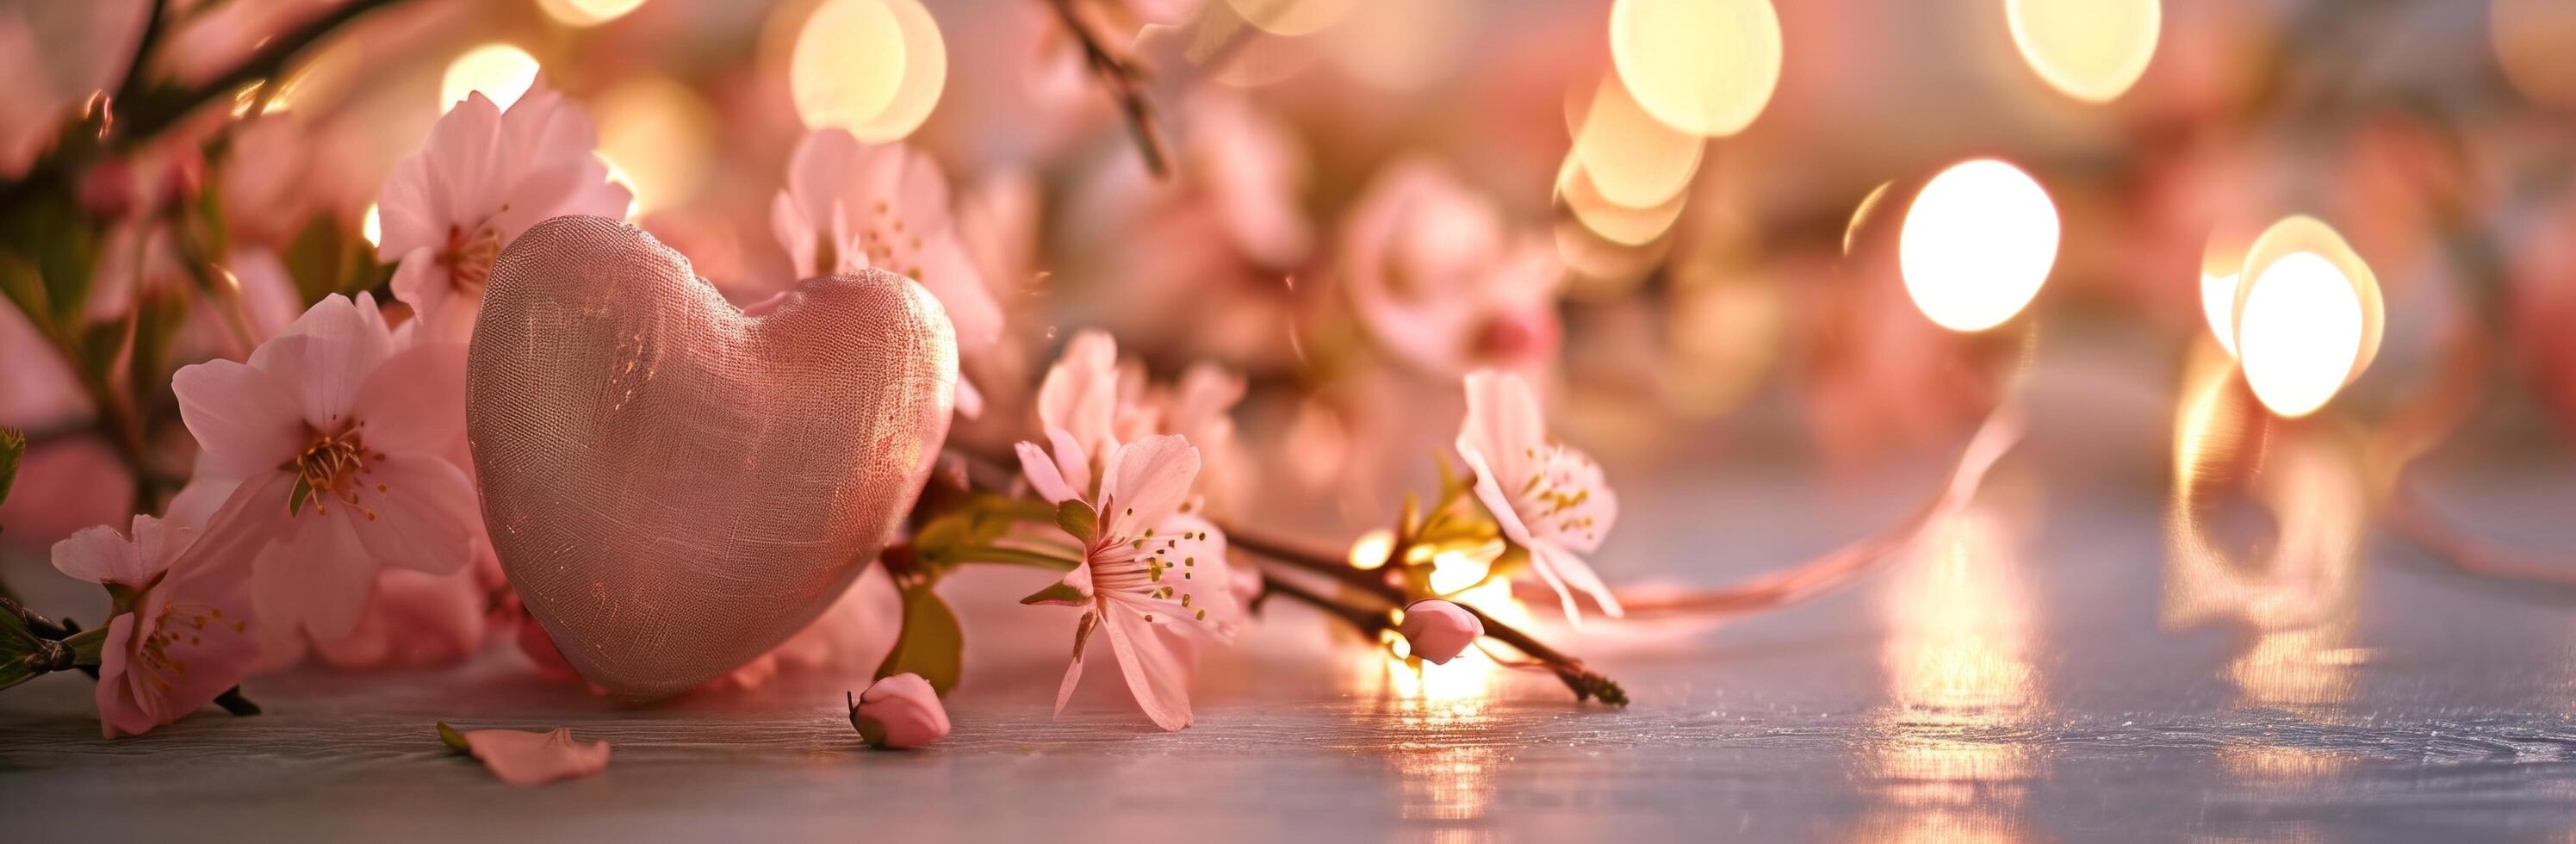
[524,759]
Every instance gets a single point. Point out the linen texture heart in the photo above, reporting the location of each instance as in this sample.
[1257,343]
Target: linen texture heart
[675,487]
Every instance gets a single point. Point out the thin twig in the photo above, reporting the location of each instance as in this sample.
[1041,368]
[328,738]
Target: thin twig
[1119,76]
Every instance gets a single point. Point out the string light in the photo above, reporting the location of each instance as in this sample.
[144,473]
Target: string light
[1705,67]
[2092,50]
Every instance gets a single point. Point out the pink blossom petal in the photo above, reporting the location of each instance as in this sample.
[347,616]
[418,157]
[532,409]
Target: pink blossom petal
[1042,474]
[419,513]
[244,420]
[1157,663]
[530,759]
[1072,461]
[1572,570]
[417,205]
[970,401]
[99,554]
[1080,392]
[1145,481]
[415,401]
[316,578]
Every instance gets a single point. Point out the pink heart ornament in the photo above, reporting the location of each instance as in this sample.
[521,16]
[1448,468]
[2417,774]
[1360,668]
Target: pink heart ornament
[674,487]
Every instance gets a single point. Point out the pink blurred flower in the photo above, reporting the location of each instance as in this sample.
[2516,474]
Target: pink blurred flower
[1101,402]
[854,633]
[1438,630]
[1144,533]
[180,637]
[1546,496]
[899,712]
[414,618]
[850,206]
[212,38]
[338,433]
[526,759]
[482,177]
[1442,282]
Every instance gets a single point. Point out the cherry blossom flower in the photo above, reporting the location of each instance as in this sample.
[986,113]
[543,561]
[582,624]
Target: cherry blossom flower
[181,634]
[482,177]
[1438,630]
[1546,496]
[1089,394]
[339,435]
[526,759]
[899,712]
[850,206]
[1153,573]
[1441,282]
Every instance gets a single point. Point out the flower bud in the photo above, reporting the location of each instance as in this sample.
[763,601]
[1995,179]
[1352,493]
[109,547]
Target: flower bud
[1439,630]
[899,712]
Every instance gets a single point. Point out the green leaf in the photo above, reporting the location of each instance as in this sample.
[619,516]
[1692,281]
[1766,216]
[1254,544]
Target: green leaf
[17,644]
[1055,593]
[1077,518]
[57,241]
[961,535]
[155,327]
[13,445]
[295,500]
[454,740]
[931,644]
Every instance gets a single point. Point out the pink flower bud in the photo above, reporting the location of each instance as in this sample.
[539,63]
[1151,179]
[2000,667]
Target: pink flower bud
[899,712]
[1439,630]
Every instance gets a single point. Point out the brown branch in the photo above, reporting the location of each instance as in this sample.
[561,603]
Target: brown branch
[1119,76]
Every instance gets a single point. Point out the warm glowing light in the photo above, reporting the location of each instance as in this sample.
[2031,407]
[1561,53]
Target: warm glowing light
[2092,50]
[2535,42]
[1977,244]
[1633,159]
[617,176]
[502,72]
[1453,571]
[1614,222]
[587,12]
[372,225]
[1369,551]
[1704,67]
[848,63]
[925,75]
[658,137]
[1405,46]
[2218,305]
[2301,341]
[1292,17]
[2301,332]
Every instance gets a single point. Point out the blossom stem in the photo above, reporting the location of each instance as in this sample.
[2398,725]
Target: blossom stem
[69,644]
[1585,682]
[1119,76]
[264,64]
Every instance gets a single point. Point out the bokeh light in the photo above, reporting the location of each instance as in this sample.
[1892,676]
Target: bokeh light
[1977,244]
[925,75]
[1705,67]
[502,72]
[587,12]
[658,135]
[2093,50]
[2535,43]
[848,63]
[372,226]
[2218,305]
[1634,160]
[2308,319]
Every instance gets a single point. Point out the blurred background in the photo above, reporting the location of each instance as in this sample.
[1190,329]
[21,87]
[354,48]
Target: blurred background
[1704,227]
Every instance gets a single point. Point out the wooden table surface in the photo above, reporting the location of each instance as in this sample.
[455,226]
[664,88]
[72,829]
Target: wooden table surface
[2014,678]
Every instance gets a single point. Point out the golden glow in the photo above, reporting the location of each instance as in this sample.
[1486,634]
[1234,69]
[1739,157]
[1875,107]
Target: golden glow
[2301,332]
[1977,244]
[1704,67]
[587,12]
[1369,551]
[848,63]
[501,71]
[1455,570]
[925,75]
[2093,50]
[1614,222]
[1292,17]
[658,136]
[617,176]
[2218,305]
[1405,46]
[1958,666]
[372,226]
[2535,43]
[1633,159]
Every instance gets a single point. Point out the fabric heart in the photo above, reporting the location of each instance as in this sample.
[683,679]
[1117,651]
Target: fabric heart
[675,487]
